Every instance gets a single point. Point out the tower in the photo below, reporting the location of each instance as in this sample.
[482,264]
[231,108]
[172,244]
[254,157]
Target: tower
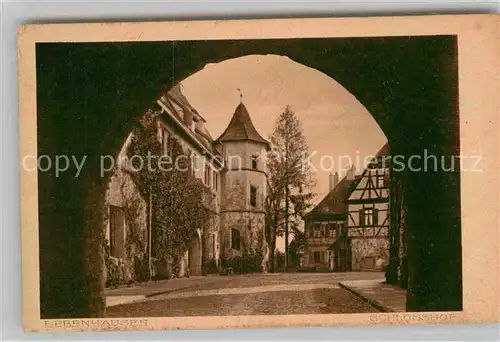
[243,188]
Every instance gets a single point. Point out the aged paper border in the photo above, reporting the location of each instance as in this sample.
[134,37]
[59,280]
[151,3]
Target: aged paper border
[479,89]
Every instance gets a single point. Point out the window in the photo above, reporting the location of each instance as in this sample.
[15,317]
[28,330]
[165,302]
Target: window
[367,217]
[194,162]
[254,162]
[253,195]
[317,232]
[214,244]
[235,239]
[116,231]
[380,181]
[207,174]
[331,229]
[323,230]
[215,181]
[317,257]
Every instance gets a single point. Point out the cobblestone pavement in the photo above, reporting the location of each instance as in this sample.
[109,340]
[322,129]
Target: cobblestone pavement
[236,281]
[273,294]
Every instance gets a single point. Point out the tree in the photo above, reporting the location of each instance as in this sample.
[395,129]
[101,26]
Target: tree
[177,197]
[288,176]
[273,208]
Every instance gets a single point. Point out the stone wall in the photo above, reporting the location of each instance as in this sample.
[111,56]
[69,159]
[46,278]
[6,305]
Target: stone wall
[251,228]
[123,193]
[396,272]
[369,253]
[211,239]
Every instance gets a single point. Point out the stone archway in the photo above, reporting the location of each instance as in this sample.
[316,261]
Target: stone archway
[408,84]
[195,256]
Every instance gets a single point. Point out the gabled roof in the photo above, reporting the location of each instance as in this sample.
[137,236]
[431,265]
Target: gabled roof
[380,158]
[178,106]
[377,162]
[176,96]
[384,151]
[241,128]
[334,201]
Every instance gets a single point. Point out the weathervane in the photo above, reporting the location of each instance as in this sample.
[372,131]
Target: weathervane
[241,94]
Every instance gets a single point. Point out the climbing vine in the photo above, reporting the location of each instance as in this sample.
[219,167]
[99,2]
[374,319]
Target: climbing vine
[177,197]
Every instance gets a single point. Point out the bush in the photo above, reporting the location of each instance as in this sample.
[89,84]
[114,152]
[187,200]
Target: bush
[210,267]
[251,263]
[141,269]
[248,263]
[226,271]
[115,274]
[234,263]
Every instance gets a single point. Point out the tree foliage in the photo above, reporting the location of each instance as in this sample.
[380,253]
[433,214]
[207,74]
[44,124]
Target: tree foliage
[289,151]
[288,179]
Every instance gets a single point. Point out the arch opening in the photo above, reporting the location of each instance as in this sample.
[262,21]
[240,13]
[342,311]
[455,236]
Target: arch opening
[380,72]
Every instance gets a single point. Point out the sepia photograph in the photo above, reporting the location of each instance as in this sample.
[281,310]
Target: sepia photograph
[220,177]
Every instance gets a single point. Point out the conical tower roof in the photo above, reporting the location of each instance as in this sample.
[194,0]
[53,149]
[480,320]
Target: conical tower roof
[241,128]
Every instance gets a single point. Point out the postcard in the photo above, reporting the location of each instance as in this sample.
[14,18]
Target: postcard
[259,173]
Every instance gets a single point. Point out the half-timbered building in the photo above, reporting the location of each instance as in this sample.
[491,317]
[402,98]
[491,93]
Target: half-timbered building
[368,215]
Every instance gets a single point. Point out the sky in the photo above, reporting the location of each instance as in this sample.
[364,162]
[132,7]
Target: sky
[334,122]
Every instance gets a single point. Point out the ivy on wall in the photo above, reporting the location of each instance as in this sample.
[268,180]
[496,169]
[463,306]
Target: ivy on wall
[177,197]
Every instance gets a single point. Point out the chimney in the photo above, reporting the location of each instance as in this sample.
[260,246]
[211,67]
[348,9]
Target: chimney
[351,173]
[330,184]
[334,180]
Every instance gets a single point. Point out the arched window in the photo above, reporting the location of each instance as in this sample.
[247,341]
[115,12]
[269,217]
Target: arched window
[235,239]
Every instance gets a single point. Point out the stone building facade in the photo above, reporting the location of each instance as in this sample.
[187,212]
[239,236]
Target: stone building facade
[126,222]
[244,187]
[232,171]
